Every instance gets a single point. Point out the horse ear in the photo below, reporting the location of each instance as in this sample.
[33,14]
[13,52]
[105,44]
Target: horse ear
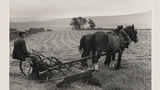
[133,26]
[122,26]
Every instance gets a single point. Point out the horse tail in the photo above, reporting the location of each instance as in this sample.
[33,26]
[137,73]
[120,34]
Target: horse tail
[82,43]
[92,43]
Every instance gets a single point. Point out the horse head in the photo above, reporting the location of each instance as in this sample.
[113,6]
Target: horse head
[119,27]
[132,33]
[117,30]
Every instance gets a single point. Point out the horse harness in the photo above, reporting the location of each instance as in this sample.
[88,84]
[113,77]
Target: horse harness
[125,40]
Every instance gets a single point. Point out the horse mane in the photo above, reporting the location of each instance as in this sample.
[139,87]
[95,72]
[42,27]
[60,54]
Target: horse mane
[82,43]
[128,29]
[117,30]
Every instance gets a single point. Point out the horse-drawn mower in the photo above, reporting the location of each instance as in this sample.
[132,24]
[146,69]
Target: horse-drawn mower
[51,69]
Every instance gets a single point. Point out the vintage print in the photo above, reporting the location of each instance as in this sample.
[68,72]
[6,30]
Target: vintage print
[80,44]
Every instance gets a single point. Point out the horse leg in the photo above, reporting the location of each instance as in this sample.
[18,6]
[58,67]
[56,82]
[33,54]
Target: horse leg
[85,53]
[107,60]
[95,59]
[84,62]
[119,59]
[113,59]
[110,60]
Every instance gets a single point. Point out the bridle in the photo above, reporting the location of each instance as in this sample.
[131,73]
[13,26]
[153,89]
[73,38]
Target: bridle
[129,33]
[125,36]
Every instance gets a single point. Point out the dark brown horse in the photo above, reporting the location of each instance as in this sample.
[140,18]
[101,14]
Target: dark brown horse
[85,45]
[103,42]
[84,48]
[105,46]
[124,43]
[132,36]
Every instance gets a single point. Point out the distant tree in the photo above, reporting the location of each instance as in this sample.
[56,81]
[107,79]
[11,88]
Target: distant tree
[80,19]
[78,23]
[84,21]
[75,23]
[92,25]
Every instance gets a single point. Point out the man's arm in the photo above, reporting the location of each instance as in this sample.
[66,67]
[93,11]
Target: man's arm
[23,47]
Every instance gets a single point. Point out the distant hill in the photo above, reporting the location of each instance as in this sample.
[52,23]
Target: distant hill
[140,20]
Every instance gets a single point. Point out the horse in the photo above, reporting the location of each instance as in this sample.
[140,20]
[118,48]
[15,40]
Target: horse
[104,42]
[85,45]
[84,48]
[124,43]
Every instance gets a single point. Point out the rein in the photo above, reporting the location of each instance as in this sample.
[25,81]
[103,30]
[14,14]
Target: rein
[122,38]
[125,41]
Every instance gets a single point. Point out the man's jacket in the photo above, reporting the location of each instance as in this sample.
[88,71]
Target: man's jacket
[19,51]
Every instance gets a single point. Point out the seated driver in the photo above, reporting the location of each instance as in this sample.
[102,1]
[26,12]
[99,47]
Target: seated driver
[20,51]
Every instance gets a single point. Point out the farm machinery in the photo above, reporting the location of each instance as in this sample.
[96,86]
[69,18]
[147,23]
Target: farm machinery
[51,69]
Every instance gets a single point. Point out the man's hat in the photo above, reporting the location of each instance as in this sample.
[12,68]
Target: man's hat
[21,33]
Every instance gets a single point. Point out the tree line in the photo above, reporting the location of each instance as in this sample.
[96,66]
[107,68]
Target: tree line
[79,22]
[14,32]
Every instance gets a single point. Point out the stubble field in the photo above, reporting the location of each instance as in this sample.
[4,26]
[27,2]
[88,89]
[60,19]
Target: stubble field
[135,73]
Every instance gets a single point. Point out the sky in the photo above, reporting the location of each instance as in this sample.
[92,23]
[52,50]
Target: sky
[53,9]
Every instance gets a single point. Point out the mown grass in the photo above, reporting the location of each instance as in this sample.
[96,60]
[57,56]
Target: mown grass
[132,76]
[135,73]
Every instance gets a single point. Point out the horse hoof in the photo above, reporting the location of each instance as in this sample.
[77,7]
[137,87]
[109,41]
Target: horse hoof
[117,68]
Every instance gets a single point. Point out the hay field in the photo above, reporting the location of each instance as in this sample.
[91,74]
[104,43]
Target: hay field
[63,44]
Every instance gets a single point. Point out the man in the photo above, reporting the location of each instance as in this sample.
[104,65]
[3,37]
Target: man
[20,51]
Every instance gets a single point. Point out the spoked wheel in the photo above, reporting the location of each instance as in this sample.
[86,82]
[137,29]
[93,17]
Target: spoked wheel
[49,68]
[26,66]
[46,76]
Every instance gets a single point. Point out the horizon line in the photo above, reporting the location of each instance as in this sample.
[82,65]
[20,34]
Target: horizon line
[49,18]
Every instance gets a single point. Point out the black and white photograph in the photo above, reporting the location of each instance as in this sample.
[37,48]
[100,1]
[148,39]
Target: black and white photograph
[80,44]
